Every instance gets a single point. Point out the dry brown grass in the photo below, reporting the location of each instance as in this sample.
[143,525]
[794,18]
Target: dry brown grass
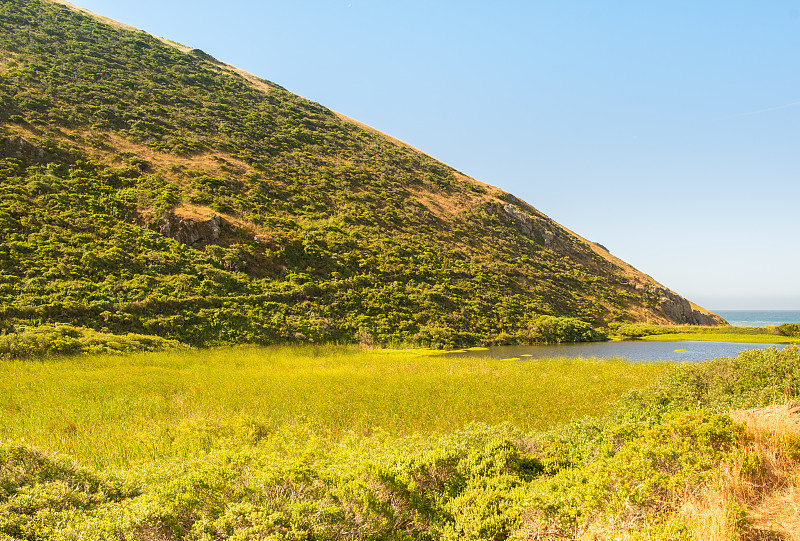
[117,24]
[757,497]
[444,206]
[375,131]
[205,162]
[20,131]
[200,213]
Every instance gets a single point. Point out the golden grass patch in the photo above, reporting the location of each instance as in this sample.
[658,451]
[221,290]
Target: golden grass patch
[757,497]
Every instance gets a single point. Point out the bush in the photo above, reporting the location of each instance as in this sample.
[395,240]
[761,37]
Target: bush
[789,329]
[567,329]
[633,330]
[626,474]
[642,483]
[751,379]
[60,339]
[49,497]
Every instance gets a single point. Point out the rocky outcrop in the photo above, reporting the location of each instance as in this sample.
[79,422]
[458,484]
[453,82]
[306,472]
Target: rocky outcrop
[190,232]
[17,147]
[199,53]
[674,307]
[525,223]
[679,310]
[669,305]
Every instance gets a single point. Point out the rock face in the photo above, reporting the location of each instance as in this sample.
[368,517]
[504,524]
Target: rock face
[525,223]
[671,306]
[190,232]
[679,310]
[17,147]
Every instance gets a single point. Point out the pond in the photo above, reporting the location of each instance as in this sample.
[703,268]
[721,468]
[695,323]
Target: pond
[643,351]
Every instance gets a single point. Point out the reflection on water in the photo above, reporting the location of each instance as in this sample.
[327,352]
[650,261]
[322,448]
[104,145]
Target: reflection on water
[683,350]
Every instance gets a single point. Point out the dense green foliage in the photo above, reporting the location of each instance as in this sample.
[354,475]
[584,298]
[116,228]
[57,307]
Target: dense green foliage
[50,340]
[328,232]
[627,471]
[634,330]
[342,234]
[566,329]
[789,329]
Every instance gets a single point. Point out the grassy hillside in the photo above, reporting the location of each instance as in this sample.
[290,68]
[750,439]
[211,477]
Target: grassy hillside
[149,189]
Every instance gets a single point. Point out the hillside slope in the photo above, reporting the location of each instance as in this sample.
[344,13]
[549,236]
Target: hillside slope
[149,188]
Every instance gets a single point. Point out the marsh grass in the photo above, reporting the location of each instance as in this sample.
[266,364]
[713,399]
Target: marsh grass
[112,411]
[783,334]
[760,338]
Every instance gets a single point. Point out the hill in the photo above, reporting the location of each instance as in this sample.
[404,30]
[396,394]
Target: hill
[149,188]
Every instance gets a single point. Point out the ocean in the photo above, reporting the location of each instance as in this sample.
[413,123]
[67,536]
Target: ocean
[759,318]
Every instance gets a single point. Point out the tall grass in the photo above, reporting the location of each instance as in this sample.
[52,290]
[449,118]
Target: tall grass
[111,411]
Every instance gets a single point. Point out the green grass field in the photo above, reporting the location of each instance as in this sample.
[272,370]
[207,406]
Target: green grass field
[108,410]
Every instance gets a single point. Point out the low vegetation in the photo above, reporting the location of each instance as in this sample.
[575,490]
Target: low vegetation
[50,340]
[664,462]
[111,410]
[786,333]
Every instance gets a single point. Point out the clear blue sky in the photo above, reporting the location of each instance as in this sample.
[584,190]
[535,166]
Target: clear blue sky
[667,131]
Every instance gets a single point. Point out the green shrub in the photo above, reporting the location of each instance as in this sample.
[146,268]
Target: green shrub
[49,497]
[354,248]
[753,378]
[60,339]
[789,329]
[635,330]
[750,379]
[644,480]
[627,472]
[566,329]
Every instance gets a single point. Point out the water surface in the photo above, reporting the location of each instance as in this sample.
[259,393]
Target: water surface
[643,351]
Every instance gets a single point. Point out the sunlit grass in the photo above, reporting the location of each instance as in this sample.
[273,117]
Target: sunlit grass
[724,337]
[111,410]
